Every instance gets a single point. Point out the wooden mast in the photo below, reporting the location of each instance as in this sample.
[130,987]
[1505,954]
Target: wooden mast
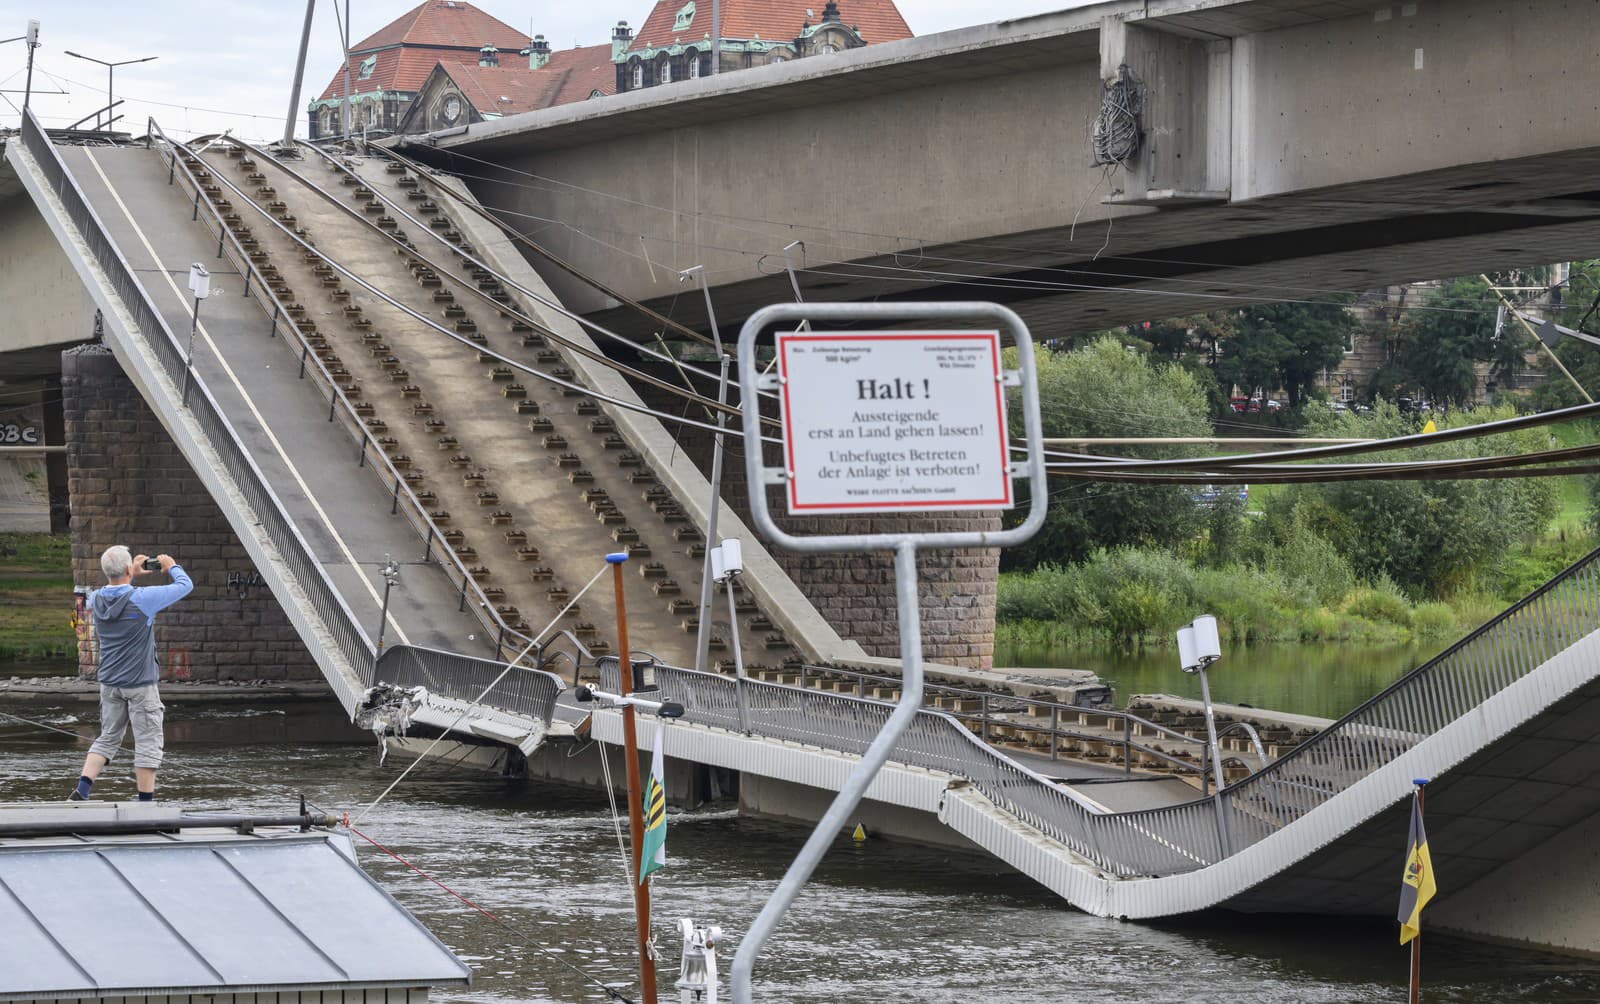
[630,739]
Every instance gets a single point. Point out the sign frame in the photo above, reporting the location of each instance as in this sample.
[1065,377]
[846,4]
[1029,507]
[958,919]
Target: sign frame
[753,382]
[901,392]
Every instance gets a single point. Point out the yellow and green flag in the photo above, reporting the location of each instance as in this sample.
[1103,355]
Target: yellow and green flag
[655,811]
[1416,885]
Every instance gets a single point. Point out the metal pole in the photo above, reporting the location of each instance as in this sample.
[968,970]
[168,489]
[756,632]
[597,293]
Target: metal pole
[1216,764]
[1514,312]
[299,75]
[390,572]
[630,742]
[716,36]
[346,70]
[855,786]
[32,43]
[188,363]
[1416,943]
[111,68]
[702,640]
[738,662]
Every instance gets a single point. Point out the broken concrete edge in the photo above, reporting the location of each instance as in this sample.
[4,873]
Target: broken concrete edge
[41,688]
[780,597]
[1255,716]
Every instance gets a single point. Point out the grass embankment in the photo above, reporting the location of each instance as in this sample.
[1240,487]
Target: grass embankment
[36,597]
[1136,597]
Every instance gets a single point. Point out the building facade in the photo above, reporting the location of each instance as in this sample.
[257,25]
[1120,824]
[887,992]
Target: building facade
[675,41]
[460,93]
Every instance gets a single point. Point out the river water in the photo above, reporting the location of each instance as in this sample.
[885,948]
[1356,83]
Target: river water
[1326,680]
[881,921]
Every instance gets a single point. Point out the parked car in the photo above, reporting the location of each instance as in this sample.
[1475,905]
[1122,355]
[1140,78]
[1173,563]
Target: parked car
[1210,495]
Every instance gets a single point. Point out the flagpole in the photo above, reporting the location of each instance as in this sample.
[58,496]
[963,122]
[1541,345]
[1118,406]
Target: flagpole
[1416,943]
[630,741]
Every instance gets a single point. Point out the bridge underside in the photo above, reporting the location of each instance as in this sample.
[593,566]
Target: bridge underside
[1290,150]
[1457,221]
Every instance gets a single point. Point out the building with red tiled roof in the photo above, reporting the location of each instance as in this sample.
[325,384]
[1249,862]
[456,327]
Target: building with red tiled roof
[674,42]
[388,68]
[461,93]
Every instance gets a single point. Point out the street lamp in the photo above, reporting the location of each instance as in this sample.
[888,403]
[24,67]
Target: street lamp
[111,68]
[391,575]
[727,562]
[1198,647]
[32,39]
[200,286]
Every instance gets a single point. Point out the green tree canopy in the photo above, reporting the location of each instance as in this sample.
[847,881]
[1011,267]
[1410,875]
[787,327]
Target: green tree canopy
[1287,344]
[1107,390]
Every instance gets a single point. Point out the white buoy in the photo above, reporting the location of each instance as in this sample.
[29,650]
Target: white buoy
[697,974]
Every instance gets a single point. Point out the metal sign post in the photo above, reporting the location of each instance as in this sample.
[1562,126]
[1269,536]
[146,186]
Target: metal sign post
[890,421]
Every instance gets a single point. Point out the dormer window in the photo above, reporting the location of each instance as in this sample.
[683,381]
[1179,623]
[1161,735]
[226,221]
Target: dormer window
[685,16]
[827,47]
[693,59]
[664,71]
[638,74]
[367,66]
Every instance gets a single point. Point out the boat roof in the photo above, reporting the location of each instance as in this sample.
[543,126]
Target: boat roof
[199,911]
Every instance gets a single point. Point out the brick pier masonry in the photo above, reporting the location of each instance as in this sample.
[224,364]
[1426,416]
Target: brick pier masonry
[129,484]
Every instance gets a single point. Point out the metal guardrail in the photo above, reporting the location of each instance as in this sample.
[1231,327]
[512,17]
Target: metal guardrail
[1183,837]
[1050,719]
[368,454]
[522,691]
[152,330]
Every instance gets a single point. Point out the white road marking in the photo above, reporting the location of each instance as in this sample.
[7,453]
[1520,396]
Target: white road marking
[262,422]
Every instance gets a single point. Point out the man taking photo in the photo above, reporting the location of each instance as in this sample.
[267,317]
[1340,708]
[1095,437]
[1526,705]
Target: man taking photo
[124,621]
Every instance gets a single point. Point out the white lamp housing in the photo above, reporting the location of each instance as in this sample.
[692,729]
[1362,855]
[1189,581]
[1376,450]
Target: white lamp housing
[1207,643]
[1187,657]
[732,556]
[716,563]
[199,281]
[33,33]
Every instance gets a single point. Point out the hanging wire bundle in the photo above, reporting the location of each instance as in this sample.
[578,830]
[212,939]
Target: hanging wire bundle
[1116,134]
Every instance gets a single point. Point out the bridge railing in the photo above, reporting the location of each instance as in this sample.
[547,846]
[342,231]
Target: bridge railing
[1054,724]
[1193,835]
[1426,700]
[160,341]
[369,455]
[935,741]
[521,691]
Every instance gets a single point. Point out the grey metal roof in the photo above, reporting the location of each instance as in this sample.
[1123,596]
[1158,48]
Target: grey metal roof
[163,916]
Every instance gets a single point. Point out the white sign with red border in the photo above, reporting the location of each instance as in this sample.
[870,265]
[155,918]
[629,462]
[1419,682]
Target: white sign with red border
[893,421]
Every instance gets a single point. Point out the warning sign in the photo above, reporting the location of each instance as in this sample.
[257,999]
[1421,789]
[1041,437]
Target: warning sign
[892,421]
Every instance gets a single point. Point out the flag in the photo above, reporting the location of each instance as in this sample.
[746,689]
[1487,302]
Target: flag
[1417,883]
[655,812]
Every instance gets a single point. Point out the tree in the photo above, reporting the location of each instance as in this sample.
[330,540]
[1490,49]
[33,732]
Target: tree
[1287,344]
[1436,348]
[1105,389]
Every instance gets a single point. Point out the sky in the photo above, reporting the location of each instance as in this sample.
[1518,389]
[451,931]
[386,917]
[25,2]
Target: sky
[229,64]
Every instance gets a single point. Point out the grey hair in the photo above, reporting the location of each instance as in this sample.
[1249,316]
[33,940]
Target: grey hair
[116,562]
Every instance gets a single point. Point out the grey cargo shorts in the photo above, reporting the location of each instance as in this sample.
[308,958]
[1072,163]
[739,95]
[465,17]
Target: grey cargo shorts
[140,705]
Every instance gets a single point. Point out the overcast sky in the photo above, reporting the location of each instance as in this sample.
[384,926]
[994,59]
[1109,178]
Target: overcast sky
[229,63]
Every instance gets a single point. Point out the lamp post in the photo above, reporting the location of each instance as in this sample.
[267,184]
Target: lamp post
[111,69]
[727,562]
[391,575]
[1198,647]
[32,39]
[200,286]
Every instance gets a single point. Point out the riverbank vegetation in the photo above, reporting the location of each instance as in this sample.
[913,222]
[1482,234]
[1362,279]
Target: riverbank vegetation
[1362,562]
[36,597]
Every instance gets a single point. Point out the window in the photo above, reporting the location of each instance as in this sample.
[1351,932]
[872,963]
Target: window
[778,57]
[367,66]
[827,47]
[693,59]
[596,93]
[638,74]
[664,71]
[685,16]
